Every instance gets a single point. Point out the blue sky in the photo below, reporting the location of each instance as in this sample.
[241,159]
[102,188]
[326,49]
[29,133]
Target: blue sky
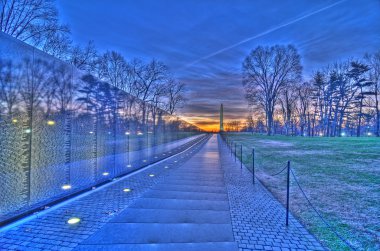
[205,41]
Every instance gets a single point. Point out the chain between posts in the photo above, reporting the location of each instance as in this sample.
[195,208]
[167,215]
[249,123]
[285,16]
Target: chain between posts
[282,170]
[319,215]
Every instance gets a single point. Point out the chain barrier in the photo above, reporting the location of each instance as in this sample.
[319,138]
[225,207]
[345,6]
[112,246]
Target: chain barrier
[319,215]
[275,174]
[332,229]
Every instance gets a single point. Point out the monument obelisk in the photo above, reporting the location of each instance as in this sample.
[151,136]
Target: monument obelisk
[221,128]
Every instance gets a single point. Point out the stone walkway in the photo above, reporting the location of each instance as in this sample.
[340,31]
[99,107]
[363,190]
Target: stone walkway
[198,200]
[188,210]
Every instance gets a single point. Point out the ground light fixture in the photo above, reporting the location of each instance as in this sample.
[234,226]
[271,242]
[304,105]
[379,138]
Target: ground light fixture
[28,131]
[129,165]
[127,133]
[127,190]
[151,175]
[73,220]
[50,122]
[66,187]
[14,121]
[105,173]
[166,167]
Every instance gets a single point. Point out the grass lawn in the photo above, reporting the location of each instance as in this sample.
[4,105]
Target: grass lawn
[341,177]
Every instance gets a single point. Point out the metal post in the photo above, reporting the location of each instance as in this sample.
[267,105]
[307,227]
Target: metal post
[287,195]
[253,165]
[241,156]
[235,152]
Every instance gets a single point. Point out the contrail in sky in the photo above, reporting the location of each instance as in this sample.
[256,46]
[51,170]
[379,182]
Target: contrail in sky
[264,33]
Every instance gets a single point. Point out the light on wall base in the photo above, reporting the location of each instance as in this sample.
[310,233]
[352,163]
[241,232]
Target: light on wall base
[73,220]
[66,187]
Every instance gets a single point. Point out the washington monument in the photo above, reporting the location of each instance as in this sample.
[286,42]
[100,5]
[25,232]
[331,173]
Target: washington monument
[221,128]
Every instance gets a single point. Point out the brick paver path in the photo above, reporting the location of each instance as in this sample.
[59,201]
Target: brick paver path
[197,200]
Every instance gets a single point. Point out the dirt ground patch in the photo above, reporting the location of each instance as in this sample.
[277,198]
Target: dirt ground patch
[308,152]
[275,143]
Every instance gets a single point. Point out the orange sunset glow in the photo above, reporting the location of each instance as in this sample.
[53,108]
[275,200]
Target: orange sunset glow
[207,124]
[210,124]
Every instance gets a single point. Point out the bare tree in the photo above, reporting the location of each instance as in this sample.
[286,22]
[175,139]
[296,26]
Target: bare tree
[84,58]
[356,73]
[324,91]
[319,86]
[304,92]
[374,75]
[233,126]
[343,92]
[57,44]
[175,96]
[156,102]
[131,83]
[250,124]
[132,79]
[150,78]
[112,67]
[287,100]
[33,21]
[266,71]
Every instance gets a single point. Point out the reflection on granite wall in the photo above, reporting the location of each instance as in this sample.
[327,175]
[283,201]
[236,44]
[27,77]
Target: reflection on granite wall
[62,131]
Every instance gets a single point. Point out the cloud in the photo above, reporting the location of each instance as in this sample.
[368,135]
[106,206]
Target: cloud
[275,28]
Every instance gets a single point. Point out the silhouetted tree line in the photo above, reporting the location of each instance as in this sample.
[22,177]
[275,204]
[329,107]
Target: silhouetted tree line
[340,99]
[233,126]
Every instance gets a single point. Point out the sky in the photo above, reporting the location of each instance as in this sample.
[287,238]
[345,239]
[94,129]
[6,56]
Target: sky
[204,42]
